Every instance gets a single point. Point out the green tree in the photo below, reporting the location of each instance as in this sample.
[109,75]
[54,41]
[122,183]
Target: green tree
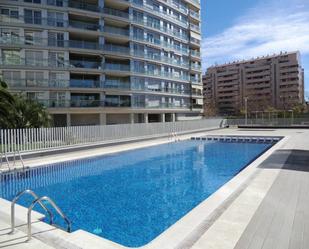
[18,112]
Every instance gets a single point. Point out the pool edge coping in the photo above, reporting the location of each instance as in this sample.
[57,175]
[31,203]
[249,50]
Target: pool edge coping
[181,231]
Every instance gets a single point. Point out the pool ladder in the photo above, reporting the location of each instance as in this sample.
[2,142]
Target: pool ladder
[4,156]
[37,200]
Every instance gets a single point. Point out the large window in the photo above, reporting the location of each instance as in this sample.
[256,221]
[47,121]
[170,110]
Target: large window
[10,57]
[34,78]
[10,36]
[55,19]
[11,12]
[56,59]
[32,16]
[12,78]
[34,58]
[33,37]
[56,39]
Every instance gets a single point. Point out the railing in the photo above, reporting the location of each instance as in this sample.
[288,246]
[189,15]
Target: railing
[53,204]
[270,121]
[36,197]
[38,139]
[83,6]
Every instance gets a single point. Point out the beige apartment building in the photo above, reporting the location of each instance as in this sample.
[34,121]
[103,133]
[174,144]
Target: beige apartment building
[275,81]
[96,62]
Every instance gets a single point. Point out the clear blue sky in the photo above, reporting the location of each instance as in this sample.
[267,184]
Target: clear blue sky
[242,29]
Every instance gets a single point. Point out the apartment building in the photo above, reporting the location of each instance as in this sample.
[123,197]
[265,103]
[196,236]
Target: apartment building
[275,81]
[104,61]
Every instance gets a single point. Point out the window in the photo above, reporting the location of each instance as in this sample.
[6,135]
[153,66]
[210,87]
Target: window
[57,99]
[32,1]
[57,79]
[9,35]
[55,19]
[56,59]
[32,16]
[11,57]
[58,3]
[34,58]
[34,78]
[55,39]
[33,37]
[13,13]
[12,78]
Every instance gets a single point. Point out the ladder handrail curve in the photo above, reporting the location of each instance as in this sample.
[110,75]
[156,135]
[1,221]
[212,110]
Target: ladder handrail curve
[59,211]
[35,196]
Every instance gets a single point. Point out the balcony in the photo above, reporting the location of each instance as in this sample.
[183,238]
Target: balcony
[117,67]
[34,62]
[115,12]
[84,25]
[84,6]
[83,83]
[89,64]
[116,49]
[116,31]
[84,44]
[117,84]
[194,14]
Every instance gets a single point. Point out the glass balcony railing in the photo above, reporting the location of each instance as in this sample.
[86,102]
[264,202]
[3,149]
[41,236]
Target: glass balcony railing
[85,25]
[172,18]
[117,84]
[19,40]
[194,14]
[83,44]
[85,64]
[85,103]
[81,83]
[195,53]
[116,31]
[112,103]
[116,49]
[54,22]
[116,67]
[196,41]
[161,28]
[84,6]
[34,62]
[115,12]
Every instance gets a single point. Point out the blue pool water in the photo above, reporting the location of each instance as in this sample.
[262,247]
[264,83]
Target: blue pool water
[133,196]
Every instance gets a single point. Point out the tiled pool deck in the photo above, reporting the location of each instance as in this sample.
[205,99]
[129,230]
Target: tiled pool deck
[265,206]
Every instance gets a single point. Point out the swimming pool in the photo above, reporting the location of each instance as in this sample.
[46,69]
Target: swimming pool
[133,196]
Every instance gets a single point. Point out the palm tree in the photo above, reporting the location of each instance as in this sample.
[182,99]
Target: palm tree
[18,112]
[6,105]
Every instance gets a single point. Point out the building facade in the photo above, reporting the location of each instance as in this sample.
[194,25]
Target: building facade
[263,83]
[104,61]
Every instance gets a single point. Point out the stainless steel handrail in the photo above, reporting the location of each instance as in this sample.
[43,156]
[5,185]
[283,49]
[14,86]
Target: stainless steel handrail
[59,211]
[36,197]
[3,155]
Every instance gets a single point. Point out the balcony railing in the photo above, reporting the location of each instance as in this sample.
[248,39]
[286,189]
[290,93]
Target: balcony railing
[116,31]
[85,64]
[84,6]
[116,67]
[81,83]
[159,27]
[84,44]
[115,12]
[85,25]
[35,63]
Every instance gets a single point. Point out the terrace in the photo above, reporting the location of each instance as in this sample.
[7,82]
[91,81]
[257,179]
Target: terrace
[264,206]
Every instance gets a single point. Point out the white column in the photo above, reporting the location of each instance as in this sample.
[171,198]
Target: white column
[102,118]
[173,117]
[68,119]
[132,118]
[145,117]
[163,117]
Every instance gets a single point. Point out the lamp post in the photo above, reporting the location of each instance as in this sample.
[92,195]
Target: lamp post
[246,110]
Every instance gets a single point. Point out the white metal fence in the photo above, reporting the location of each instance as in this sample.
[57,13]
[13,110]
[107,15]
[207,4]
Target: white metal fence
[38,139]
[270,122]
